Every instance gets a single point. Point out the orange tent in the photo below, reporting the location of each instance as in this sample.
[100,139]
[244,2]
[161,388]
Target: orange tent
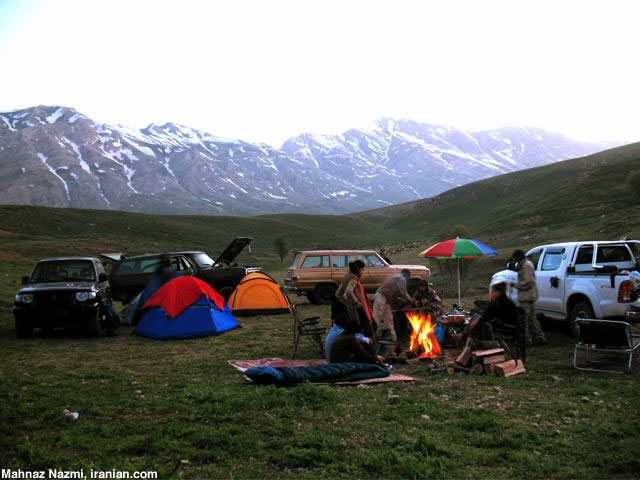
[258,294]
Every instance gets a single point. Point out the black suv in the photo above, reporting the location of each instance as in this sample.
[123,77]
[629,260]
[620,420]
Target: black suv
[64,292]
[129,275]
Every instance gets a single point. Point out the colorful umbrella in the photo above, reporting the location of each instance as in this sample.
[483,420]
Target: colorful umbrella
[458,248]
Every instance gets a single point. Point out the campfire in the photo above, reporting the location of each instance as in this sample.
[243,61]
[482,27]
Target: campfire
[423,336]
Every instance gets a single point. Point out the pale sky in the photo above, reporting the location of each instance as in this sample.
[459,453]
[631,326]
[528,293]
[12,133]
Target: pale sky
[267,70]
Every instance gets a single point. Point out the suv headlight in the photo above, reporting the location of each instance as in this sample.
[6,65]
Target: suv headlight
[24,298]
[84,296]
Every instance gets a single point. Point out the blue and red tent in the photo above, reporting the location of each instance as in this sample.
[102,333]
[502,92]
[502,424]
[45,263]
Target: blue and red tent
[185,307]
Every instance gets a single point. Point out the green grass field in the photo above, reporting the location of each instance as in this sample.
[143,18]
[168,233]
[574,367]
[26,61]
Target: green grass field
[178,408]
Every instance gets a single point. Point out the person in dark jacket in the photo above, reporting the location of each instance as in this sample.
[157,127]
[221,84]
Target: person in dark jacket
[347,348]
[501,313]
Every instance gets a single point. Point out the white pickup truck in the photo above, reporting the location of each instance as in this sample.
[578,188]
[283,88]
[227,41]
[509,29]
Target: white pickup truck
[581,279]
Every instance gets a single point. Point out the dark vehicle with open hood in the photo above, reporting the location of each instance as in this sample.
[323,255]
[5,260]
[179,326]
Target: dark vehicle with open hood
[129,275]
[64,292]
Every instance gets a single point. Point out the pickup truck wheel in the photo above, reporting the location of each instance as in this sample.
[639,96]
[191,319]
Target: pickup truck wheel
[311,296]
[580,310]
[324,293]
[95,324]
[23,329]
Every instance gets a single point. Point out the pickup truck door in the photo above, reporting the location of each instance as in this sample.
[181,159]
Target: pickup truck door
[550,278]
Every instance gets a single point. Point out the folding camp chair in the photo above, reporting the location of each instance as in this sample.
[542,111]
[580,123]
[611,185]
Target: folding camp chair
[606,336]
[308,327]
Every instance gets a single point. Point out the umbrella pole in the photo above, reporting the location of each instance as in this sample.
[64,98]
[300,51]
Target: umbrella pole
[459,301]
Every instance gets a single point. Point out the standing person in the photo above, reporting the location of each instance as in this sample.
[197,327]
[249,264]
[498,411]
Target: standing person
[385,256]
[391,294]
[527,296]
[352,294]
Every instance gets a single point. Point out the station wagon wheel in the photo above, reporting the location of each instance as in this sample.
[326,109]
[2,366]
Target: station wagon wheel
[311,296]
[324,293]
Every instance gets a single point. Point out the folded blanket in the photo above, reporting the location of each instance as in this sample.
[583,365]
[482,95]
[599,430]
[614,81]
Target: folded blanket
[329,373]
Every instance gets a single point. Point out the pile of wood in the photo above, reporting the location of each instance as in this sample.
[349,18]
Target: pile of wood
[490,362]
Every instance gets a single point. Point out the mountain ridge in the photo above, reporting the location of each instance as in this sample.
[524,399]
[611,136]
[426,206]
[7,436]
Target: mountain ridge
[52,155]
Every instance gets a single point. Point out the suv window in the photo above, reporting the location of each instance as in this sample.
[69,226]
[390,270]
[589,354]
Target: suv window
[552,259]
[372,260]
[316,261]
[342,261]
[63,271]
[100,268]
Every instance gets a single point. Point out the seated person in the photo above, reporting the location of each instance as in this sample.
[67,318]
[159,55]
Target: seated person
[501,314]
[339,322]
[427,297]
[347,348]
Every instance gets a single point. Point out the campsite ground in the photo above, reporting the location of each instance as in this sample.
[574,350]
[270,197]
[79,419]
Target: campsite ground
[178,406]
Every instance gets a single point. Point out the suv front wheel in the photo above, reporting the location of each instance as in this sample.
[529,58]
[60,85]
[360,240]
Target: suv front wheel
[324,293]
[95,324]
[23,328]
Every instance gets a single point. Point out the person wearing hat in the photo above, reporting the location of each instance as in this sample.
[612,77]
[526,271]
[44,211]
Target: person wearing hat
[527,296]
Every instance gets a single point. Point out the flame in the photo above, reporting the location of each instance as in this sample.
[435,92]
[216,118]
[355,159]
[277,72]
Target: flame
[423,335]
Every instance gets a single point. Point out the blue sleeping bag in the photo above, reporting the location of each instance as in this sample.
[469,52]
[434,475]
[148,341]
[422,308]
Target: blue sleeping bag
[330,373]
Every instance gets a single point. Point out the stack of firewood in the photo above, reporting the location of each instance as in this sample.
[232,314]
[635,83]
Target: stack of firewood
[491,362]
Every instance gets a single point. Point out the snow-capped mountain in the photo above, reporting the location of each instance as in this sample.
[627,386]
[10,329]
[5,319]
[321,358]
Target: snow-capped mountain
[56,156]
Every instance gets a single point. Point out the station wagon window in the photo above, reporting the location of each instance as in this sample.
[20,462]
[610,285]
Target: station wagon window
[342,261]
[202,259]
[179,264]
[372,260]
[132,267]
[296,259]
[316,261]
[552,259]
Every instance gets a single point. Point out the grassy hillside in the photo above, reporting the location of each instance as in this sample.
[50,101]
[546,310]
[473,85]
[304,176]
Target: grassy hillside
[585,196]
[582,198]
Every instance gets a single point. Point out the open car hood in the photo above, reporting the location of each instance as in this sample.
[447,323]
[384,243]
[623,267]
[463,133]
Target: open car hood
[233,250]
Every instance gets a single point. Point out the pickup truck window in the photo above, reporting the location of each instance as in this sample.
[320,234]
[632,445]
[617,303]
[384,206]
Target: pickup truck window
[535,258]
[372,260]
[316,261]
[63,271]
[342,261]
[552,259]
[584,259]
[612,254]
